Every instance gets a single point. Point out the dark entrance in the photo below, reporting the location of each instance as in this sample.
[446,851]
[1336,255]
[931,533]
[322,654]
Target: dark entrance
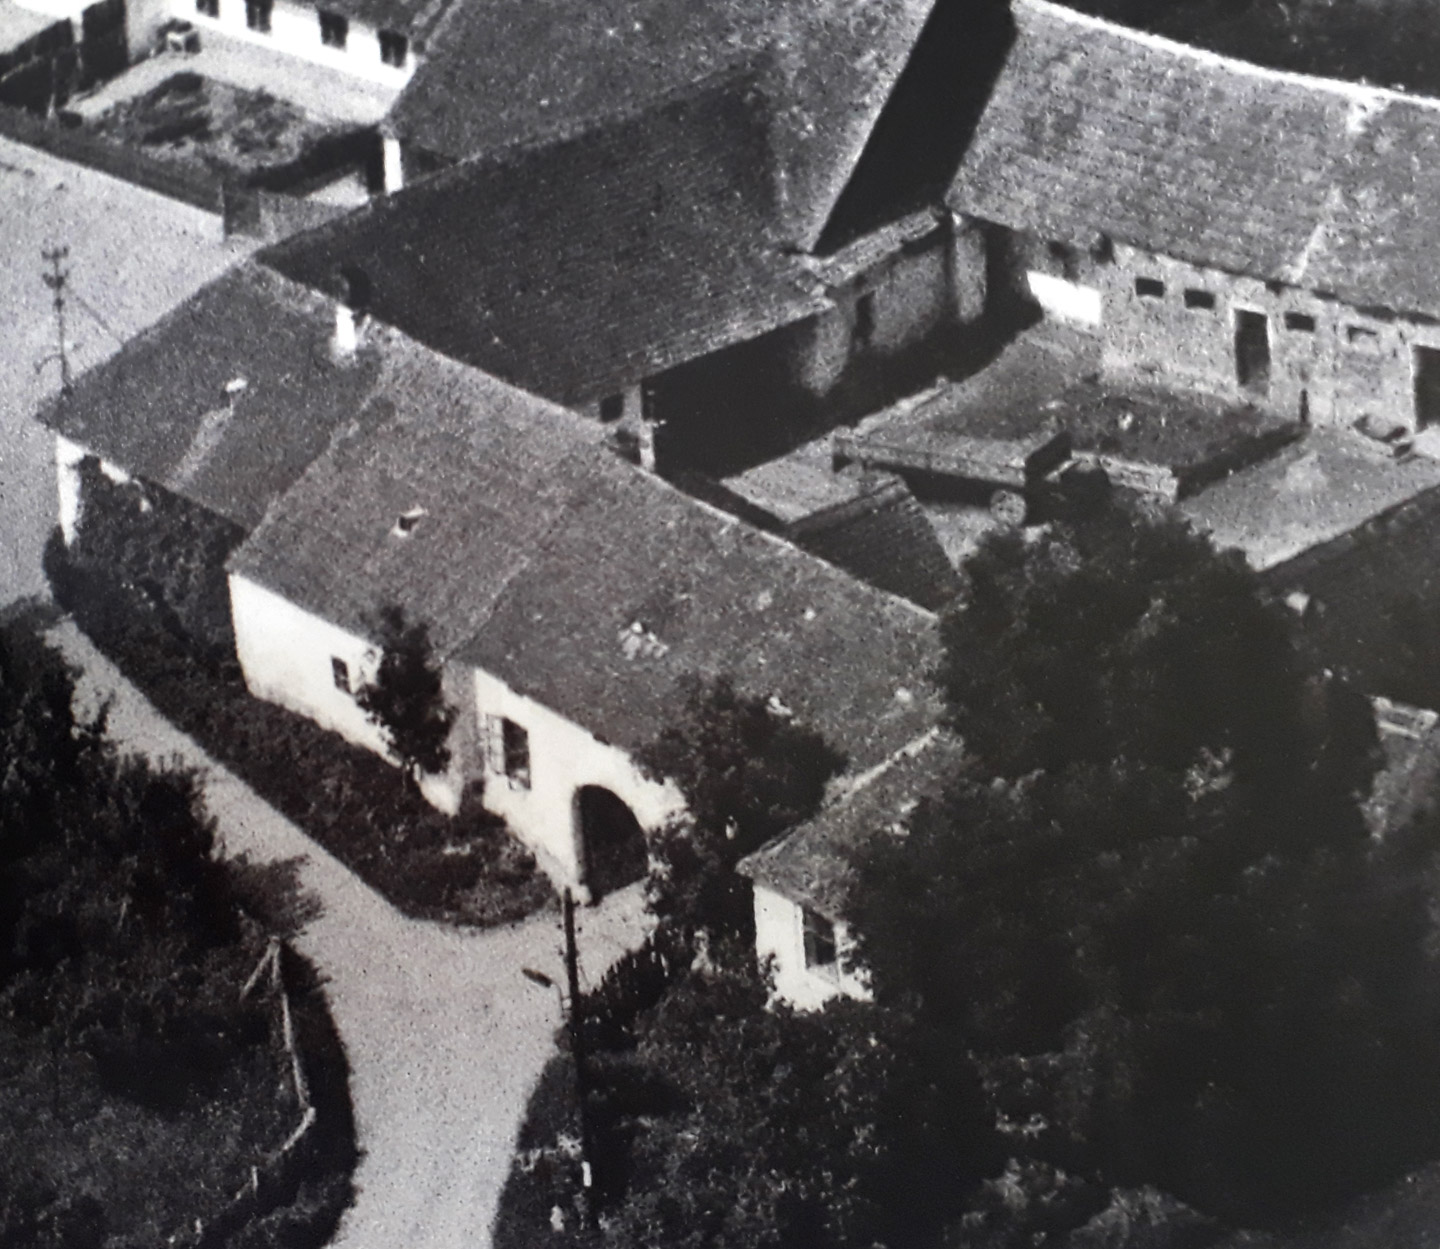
[1427,387]
[613,841]
[1252,351]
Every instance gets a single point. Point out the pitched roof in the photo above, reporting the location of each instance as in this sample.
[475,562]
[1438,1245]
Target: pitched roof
[1094,130]
[578,266]
[500,71]
[586,584]
[226,399]
[883,537]
[407,17]
[811,865]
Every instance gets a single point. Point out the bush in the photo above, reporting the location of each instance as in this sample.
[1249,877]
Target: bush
[467,869]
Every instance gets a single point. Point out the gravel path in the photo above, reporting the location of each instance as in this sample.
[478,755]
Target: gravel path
[445,1037]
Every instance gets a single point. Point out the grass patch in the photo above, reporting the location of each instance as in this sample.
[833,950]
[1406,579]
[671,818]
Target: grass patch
[229,130]
[466,869]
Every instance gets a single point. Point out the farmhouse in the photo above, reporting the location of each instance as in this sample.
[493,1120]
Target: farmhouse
[572,598]
[1261,235]
[663,299]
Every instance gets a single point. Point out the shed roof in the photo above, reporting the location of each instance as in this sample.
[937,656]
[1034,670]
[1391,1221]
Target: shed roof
[1095,130]
[587,584]
[496,72]
[581,265]
[811,865]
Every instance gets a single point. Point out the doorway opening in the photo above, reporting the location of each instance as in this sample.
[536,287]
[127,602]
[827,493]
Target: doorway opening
[1252,351]
[1427,387]
[612,841]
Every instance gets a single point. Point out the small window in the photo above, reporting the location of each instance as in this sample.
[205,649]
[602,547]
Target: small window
[1301,321]
[394,48]
[405,523]
[257,15]
[507,749]
[819,941]
[1203,300]
[1150,288]
[207,8]
[612,407]
[334,29]
[340,674]
[1361,336]
[865,318]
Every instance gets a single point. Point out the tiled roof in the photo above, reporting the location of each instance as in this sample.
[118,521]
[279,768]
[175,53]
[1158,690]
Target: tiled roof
[585,583]
[581,265]
[637,586]
[496,72]
[475,468]
[883,537]
[227,399]
[811,864]
[1094,130]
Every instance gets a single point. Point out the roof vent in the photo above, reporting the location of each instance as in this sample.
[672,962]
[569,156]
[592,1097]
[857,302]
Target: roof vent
[351,309]
[406,522]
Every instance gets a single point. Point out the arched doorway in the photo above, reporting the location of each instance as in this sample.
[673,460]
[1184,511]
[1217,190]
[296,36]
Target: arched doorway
[611,839]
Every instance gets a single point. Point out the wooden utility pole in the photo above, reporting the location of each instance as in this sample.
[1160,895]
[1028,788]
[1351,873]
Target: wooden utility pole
[55,257]
[577,1049]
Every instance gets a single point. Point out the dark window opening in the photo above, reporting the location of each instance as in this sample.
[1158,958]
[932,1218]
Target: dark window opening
[340,674]
[394,48]
[1427,386]
[1361,335]
[507,748]
[1199,299]
[334,29]
[1252,351]
[1150,288]
[612,407]
[257,15]
[405,523]
[1302,321]
[865,318]
[819,941]
[208,8]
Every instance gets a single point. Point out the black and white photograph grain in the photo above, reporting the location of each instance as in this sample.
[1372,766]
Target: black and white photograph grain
[720,624]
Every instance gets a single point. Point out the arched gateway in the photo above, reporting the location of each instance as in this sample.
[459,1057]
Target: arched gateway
[611,840]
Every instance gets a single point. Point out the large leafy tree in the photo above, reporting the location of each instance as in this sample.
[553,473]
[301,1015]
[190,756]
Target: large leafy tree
[406,696]
[1162,924]
[748,772]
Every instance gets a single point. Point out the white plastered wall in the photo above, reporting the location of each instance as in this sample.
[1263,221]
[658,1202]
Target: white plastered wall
[780,936]
[295,29]
[67,480]
[563,759]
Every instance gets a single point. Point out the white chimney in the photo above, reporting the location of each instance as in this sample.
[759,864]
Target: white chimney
[347,331]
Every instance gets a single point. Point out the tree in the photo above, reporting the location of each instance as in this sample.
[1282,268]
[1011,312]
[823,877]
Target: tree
[748,773]
[761,1126]
[1162,924]
[406,697]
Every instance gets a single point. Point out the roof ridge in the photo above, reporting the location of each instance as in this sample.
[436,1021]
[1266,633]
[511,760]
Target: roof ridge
[1356,92]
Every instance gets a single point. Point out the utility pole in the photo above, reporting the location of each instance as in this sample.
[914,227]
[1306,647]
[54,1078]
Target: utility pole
[55,257]
[574,1017]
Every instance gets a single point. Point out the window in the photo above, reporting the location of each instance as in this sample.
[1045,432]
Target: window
[865,318]
[1362,336]
[393,48]
[612,407]
[1203,300]
[1301,321]
[208,8]
[334,29]
[819,941]
[257,15]
[507,750]
[340,674]
[1150,288]
[1252,350]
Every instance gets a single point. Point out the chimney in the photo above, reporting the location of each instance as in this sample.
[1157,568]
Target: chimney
[350,311]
